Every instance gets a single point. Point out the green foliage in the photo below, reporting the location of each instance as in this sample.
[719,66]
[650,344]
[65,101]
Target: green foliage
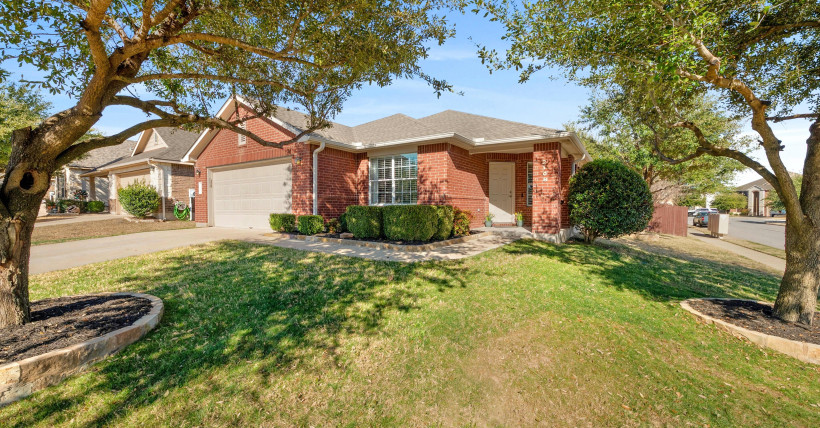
[343,223]
[773,199]
[95,206]
[20,106]
[446,214]
[139,199]
[332,226]
[691,199]
[729,201]
[282,222]
[364,221]
[608,199]
[410,222]
[64,204]
[461,222]
[310,224]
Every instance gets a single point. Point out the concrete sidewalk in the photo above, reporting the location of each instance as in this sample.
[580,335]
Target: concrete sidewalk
[775,263]
[51,257]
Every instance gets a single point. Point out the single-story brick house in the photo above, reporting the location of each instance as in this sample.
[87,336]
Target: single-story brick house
[156,159]
[476,163]
[68,179]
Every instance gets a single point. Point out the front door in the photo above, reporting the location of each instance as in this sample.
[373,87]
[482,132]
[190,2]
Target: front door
[756,205]
[502,181]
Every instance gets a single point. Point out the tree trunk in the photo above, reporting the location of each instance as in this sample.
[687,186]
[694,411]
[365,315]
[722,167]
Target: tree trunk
[14,301]
[797,298]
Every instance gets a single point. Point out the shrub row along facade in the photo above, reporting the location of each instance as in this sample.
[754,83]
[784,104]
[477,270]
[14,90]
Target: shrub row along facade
[479,164]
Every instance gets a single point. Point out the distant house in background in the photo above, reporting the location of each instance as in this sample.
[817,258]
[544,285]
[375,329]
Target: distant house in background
[756,192]
[156,159]
[69,178]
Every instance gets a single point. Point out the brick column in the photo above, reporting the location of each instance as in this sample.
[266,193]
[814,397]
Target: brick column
[546,198]
[566,173]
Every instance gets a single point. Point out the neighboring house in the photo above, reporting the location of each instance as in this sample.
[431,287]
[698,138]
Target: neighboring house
[475,163]
[156,159]
[756,192]
[69,178]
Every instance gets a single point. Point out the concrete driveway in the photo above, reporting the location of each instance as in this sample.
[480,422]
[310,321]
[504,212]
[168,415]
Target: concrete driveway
[51,257]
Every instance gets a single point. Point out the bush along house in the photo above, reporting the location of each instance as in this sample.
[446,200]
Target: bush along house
[475,163]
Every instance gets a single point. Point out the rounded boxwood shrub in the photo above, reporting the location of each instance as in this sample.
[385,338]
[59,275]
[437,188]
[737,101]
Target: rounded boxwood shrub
[461,222]
[139,199]
[95,206]
[342,223]
[410,222]
[608,199]
[310,224]
[282,222]
[446,214]
[364,221]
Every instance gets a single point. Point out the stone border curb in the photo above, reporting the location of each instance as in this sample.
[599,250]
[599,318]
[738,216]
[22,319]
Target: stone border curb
[383,245]
[803,351]
[20,379]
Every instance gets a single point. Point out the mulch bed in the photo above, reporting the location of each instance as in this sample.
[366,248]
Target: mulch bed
[65,321]
[385,241]
[758,317]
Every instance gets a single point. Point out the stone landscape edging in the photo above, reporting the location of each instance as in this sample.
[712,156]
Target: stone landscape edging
[20,379]
[384,245]
[803,351]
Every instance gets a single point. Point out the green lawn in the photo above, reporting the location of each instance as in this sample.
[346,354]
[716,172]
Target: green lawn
[528,334]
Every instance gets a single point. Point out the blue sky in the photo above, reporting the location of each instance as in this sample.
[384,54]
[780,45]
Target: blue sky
[545,100]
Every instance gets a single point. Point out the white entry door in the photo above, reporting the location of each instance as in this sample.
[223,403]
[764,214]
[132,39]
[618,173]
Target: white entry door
[246,196]
[502,191]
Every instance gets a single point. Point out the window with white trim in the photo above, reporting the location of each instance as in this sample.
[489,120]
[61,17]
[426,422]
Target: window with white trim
[242,139]
[529,184]
[394,180]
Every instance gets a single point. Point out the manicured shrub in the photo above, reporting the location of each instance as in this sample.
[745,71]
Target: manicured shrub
[342,223]
[446,214]
[310,224]
[461,222]
[608,199]
[364,221]
[282,222]
[64,205]
[410,222]
[95,206]
[332,226]
[139,199]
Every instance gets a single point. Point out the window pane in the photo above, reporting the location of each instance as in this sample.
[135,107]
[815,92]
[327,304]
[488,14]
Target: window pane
[393,179]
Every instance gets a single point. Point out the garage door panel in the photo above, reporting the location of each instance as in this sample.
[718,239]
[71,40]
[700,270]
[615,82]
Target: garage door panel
[244,197]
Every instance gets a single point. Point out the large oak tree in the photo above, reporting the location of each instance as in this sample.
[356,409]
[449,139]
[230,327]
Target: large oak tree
[169,60]
[760,58]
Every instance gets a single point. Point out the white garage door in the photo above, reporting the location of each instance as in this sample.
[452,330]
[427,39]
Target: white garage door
[245,197]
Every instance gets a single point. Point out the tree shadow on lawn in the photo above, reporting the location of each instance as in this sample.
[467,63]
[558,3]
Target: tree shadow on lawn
[669,277]
[237,303]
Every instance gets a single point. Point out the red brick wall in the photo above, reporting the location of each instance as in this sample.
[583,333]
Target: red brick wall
[338,181]
[546,201]
[225,150]
[434,162]
[566,173]
[182,179]
[363,177]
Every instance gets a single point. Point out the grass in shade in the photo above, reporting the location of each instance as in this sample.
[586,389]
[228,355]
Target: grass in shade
[56,233]
[527,334]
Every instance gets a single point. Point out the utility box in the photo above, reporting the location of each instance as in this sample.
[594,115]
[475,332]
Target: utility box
[718,225]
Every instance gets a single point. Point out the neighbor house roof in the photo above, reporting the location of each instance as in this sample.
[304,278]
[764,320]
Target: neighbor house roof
[177,142]
[104,156]
[761,184]
[470,131]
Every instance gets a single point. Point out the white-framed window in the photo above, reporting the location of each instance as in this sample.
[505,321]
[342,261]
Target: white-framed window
[242,139]
[529,184]
[394,179]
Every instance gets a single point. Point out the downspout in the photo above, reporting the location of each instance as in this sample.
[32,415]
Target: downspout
[316,178]
[162,185]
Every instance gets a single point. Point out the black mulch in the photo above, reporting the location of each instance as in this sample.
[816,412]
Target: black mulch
[758,317]
[65,321]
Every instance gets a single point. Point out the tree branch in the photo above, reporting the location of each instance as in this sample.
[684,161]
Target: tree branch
[218,78]
[794,116]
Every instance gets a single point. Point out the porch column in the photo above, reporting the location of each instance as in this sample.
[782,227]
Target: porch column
[92,189]
[546,198]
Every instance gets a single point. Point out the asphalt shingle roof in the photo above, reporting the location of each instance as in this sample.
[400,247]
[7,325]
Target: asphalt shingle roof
[105,155]
[761,183]
[177,140]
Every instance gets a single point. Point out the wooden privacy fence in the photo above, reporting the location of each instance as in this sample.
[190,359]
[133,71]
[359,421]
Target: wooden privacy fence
[669,219]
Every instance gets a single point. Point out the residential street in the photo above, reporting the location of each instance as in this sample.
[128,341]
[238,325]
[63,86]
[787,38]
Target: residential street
[756,229]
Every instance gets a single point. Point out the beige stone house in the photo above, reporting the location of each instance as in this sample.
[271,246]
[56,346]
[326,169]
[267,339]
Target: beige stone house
[156,159]
[69,178]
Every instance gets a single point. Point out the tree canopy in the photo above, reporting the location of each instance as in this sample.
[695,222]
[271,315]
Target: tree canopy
[730,200]
[20,106]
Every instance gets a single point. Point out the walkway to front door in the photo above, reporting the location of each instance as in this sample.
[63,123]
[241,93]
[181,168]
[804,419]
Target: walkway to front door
[502,190]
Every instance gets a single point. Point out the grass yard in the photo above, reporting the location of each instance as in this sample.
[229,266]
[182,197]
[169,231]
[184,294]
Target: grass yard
[528,334]
[765,249]
[56,233]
